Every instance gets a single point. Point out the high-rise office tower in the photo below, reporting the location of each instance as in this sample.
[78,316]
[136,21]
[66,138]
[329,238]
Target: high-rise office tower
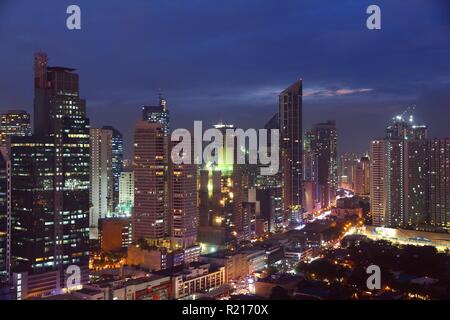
[310,183]
[15,123]
[4,213]
[149,215]
[346,170]
[240,219]
[62,116]
[117,161]
[361,176]
[309,157]
[214,207]
[223,186]
[101,178]
[439,186]
[268,189]
[158,114]
[219,207]
[377,174]
[211,204]
[236,179]
[50,185]
[33,227]
[203,197]
[290,117]
[270,202]
[228,183]
[247,220]
[126,193]
[183,204]
[324,146]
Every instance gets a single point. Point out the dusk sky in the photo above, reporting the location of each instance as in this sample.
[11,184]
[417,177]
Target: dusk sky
[228,60]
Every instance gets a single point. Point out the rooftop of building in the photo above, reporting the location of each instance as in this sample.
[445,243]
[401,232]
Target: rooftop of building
[223,254]
[16,112]
[150,278]
[186,270]
[89,291]
[64,296]
[63,69]
[154,108]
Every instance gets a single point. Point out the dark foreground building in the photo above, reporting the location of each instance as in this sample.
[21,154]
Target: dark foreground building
[50,188]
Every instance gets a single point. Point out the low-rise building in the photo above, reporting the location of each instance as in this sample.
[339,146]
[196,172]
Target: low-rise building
[236,264]
[257,259]
[152,287]
[196,278]
[114,234]
[155,259]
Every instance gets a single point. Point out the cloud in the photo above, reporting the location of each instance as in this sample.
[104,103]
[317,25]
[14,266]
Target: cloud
[320,92]
[270,93]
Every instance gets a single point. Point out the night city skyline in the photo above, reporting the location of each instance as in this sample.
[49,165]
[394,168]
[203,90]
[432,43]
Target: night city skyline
[246,151]
[124,60]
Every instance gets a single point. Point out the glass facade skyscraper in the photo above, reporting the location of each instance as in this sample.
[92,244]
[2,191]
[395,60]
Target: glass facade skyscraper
[50,186]
[101,178]
[15,123]
[158,114]
[117,161]
[324,148]
[290,117]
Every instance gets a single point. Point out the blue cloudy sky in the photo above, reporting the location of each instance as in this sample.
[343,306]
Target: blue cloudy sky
[228,60]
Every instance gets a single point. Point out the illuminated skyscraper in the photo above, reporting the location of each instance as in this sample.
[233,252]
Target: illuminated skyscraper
[361,176]
[268,189]
[62,116]
[324,147]
[394,183]
[309,157]
[377,174]
[50,185]
[406,177]
[243,211]
[33,220]
[439,187]
[150,211]
[101,178]
[290,117]
[15,123]
[204,214]
[183,204]
[346,170]
[126,193]
[416,181]
[158,114]
[400,176]
[117,161]
[310,182]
